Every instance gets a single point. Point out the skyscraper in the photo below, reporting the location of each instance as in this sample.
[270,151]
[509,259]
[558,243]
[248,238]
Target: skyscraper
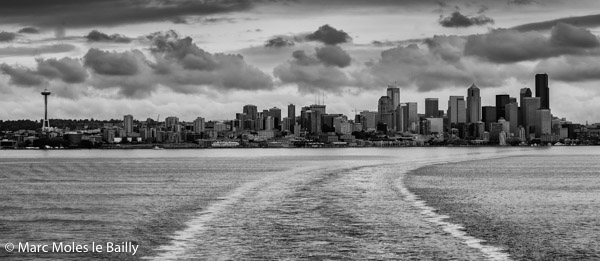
[525,93]
[292,111]
[488,116]
[431,107]
[394,94]
[473,104]
[413,117]
[543,123]
[251,112]
[542,91]
[384,108]
[199,125]
[276,114]
[530,107]
[501,101]
[511,112]
[457,112]
[128,124]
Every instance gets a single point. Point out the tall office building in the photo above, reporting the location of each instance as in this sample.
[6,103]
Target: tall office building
[457,113]
[171,123]
[501,101]
[473,104]
[511,111]
[291,111]
[488,116]
[318,107]
[543,122]
[394,93]
[251,112]
[431,107]
[128,124]
[276,114]
[291,117]
[413,117]
[199,125]
[530,107]
[525,93]
[384,110]
[369,121]
[542,91]
[399,118]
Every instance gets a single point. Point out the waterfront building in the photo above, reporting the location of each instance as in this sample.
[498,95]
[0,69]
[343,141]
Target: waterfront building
[399,118]
[276,114]
[292,116]
[369,120]
[473,104]
[436,125]
[171,123]
[432,107]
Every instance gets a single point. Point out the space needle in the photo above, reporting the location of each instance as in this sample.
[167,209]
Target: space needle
[46,123]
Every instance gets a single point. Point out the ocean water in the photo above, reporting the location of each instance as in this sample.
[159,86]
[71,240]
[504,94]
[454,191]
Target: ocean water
[252,204]
[537,207]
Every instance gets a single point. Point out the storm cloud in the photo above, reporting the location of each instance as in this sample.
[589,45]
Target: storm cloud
[580,21]
[7,36]
[29,30]
[508,46]
[456,19]
[73,13]
[21,76]
[67,69]
[329,35]
[279,42]
[27,51]
[96,36]
[113,63]
[334,56]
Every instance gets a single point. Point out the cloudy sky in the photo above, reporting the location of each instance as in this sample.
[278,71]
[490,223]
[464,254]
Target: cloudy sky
[106,58]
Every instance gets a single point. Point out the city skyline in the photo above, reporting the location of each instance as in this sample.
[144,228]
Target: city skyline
[96,68]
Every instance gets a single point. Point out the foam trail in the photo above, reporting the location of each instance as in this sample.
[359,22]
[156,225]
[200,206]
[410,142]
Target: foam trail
[456,230]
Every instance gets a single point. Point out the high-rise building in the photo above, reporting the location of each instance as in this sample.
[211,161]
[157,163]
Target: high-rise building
[525,93]
[369,120]
[501,101]
[413,117]
[543,122]
[512,115]
[384,108]
[542,91]
[318,107]
[251,112]
[473,104]
[394,93]
[199,125]
[128,124]
[432,107]
[488,116]
[399,118]
[457,113]
[530,106]
[276,114]
[171,123]
[291,111]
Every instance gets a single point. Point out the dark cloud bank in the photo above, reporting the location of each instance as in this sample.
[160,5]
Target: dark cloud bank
[175,62]
[456,19]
